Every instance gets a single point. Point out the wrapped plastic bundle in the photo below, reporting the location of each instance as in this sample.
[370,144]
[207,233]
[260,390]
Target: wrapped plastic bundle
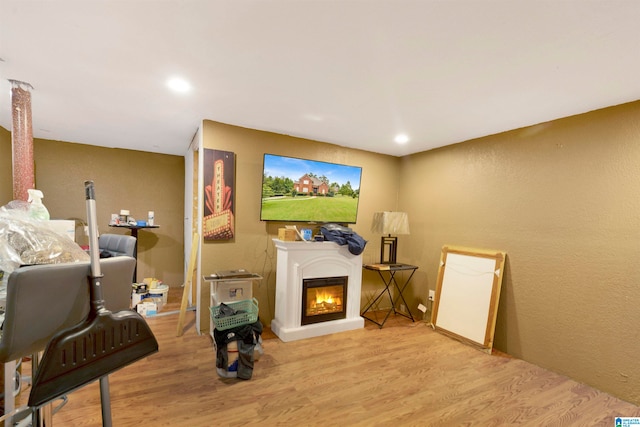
[27,241]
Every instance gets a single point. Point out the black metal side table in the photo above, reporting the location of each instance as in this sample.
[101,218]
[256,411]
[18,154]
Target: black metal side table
[134,232]
[392,269]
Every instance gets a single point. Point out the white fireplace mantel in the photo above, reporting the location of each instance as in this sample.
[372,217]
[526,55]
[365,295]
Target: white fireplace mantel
[307,260]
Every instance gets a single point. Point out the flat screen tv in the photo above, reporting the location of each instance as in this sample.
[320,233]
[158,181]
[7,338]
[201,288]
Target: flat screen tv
[299,190]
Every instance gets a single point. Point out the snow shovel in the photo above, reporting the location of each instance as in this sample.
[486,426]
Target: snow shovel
[103,343]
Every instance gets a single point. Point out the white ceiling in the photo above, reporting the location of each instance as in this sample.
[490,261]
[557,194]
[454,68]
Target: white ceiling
[350,72]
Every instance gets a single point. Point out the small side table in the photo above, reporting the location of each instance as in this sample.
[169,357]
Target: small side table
[392,269]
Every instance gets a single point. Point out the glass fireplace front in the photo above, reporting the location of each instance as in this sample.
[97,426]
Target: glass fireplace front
[324,299]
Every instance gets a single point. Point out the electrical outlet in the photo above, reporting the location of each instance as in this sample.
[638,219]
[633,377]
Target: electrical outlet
[403,308]
[432,295]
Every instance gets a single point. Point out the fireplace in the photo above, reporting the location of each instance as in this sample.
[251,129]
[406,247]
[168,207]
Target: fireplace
[306,262]
[324,299]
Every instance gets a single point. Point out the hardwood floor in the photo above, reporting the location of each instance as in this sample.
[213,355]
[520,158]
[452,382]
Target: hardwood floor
[403,374]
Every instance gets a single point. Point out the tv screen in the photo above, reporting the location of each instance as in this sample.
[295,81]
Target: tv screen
[300,190]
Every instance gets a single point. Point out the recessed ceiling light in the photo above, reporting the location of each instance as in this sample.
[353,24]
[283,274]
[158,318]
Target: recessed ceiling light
[178,85]
[401,139]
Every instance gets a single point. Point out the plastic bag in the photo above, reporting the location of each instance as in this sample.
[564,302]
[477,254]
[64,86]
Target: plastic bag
[26,241]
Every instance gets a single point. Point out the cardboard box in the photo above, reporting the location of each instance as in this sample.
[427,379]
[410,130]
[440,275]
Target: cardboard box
[147,308]
[288,235]
[137,298]
[64,227]
[159,303]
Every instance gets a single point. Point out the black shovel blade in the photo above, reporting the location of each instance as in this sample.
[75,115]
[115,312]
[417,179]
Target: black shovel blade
[88,351]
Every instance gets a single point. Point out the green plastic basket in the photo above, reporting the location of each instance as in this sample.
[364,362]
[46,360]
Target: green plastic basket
[249,308]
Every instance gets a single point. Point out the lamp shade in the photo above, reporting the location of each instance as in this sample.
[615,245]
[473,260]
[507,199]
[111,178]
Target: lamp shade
[390,223]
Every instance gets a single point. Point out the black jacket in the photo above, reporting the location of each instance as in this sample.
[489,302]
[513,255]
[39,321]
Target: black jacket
[344,236]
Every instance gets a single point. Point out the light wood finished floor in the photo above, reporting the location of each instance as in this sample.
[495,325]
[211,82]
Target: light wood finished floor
[402,375]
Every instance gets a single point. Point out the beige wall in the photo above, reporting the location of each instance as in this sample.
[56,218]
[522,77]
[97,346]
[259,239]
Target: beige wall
[6,183]
[563,200]
[560,198]
[124,179]
[253,247]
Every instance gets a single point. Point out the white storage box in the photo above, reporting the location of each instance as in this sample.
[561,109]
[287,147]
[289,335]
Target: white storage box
[233,290]
[147,308]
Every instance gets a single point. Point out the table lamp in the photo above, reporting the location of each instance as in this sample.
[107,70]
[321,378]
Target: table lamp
[388,223]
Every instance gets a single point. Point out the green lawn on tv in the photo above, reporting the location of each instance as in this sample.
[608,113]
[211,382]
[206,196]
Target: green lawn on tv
[324,209]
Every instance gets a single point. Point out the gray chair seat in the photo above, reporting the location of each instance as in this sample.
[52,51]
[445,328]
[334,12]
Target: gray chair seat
[45,299]
[117,245]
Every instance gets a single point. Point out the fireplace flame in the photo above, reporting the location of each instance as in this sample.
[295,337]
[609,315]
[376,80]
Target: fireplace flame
[324,297]
[326,301]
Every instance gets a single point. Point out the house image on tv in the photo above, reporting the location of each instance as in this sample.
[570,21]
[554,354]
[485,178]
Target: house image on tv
[309,184]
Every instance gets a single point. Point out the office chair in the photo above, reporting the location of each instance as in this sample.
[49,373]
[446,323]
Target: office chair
[45,299]
[117,245]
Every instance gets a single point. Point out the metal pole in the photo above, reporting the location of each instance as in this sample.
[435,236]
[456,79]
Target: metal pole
[22,140]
